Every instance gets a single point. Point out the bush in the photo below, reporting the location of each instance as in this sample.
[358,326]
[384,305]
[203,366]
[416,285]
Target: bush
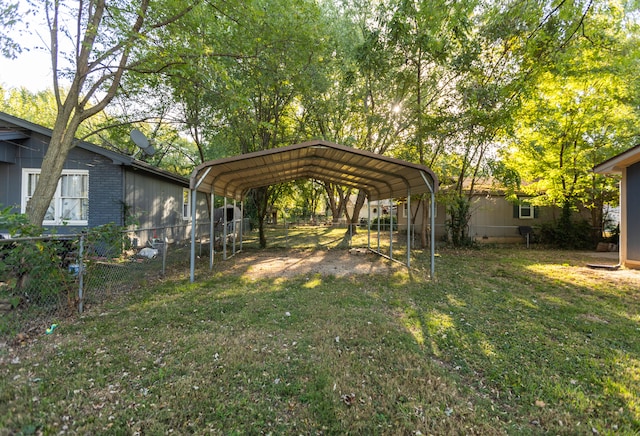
[34,270]
[385,221]
[108,241]
[567,233]
[459,211]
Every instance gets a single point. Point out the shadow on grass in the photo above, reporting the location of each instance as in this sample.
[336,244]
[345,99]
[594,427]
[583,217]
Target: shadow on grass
[553,346]
[497,344]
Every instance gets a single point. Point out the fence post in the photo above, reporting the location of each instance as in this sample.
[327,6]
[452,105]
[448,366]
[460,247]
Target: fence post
[164,252]
[81,274]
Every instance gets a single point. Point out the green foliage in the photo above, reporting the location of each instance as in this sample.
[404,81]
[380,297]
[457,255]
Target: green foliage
[385,222]
[35,270]
[38,107]
[459,211]
[550,90]
[578,112]
[568,233]
[17,224]
[107,241]
[10,15]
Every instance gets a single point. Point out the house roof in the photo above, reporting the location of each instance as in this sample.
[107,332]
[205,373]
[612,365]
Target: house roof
[14,129]
[379,176]
[616,164]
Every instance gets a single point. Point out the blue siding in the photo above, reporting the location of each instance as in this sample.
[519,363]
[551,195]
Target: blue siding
[633,212]
[153,201]
[117,183]
[10,186]
[106,183]
[105,180]
[105,193]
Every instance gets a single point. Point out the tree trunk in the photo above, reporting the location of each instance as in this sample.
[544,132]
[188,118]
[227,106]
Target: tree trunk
[263,237]
[424,225]
[356,211]
[51,170]
[260,196]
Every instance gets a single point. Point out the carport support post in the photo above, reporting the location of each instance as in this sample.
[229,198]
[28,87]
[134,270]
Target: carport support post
[408,228]
[224,231]
[432,207]
[433,232]
[368,223]
[378,226]
[241,222]
[391,228]
[212,237]
[193,235]
[235,229]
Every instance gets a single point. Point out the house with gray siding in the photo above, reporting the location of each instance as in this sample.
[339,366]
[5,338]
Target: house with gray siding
[97,186]
[627,165]
[494,218]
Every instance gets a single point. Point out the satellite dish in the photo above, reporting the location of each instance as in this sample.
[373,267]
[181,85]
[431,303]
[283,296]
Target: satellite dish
[141,141]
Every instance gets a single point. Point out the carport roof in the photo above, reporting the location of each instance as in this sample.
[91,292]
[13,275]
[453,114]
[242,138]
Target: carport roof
[379,176]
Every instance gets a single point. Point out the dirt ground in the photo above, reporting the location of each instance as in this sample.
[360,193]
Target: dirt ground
[341,263]
[290,263]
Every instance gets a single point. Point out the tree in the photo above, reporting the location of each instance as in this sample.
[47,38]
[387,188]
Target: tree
[258,95]
[580,113]
[104,39]
[39,107]
[465,69]
[10,17]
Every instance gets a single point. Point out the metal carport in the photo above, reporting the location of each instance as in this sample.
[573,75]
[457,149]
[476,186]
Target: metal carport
[381,177]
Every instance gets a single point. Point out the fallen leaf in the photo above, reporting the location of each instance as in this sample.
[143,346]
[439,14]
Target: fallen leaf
[348,399]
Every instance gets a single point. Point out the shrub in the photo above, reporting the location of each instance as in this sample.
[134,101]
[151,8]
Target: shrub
[34,270]
[459,211]
[385,221]
[108,240]
[567,233]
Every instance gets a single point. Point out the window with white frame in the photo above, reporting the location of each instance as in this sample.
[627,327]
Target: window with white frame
[70,203]
[525,209]
[186,204]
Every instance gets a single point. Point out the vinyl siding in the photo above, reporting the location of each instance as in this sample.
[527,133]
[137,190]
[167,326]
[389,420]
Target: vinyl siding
[633,212]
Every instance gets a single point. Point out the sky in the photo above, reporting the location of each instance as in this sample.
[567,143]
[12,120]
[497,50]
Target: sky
[31,69]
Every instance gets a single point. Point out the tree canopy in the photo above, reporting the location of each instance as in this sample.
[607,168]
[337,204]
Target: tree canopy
[531,93]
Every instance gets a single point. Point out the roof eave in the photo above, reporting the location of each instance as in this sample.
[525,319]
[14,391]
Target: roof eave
[618,163]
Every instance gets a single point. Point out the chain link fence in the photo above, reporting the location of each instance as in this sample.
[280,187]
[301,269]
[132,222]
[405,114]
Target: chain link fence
[46,279]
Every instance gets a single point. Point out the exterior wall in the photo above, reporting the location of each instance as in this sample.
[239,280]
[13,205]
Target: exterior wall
[105,181]
[632,214]
[440,230]
[28,154]
[152,201]
[105,191]
[156,203]
[115,187]
[493,219]
[10,184]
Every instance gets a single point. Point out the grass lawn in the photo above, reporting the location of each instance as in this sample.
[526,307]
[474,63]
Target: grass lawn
[502,341]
